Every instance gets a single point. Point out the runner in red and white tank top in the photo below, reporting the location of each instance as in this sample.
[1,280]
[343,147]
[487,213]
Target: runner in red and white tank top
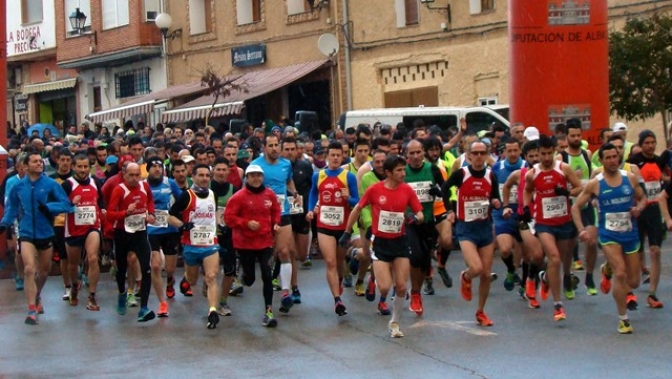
[550,208]
[82,227]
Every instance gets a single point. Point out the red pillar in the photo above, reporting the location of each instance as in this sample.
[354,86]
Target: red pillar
[3,107]
[559,64]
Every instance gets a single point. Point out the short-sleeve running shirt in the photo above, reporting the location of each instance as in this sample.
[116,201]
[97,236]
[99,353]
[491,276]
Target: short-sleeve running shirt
[388,207]
[276,176]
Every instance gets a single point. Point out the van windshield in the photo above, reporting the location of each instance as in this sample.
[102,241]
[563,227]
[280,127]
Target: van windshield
[477,121]
[443,121]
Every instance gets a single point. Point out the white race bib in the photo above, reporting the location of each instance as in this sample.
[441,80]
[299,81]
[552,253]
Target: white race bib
[390,222]
[219,213]
[618,222]
[652,189]
[85,215]
[476,210]
[332,216]
[135,223]
[513,194]
[161,219]
[281,202]
[202,235]
[294,208]
[554,207]
[422,190]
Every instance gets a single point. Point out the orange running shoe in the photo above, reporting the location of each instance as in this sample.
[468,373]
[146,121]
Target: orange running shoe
[653,302]
[544,285]
[605,282]
[163,309]
[416,304]
[533,303]
[559,313]
[631,301]
[530,288]
[466,286]
[483,319]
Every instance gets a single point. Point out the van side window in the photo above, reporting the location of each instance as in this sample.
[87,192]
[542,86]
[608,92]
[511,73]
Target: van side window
[443,121]
[477,121]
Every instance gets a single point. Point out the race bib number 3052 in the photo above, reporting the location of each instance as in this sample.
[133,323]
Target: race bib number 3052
[332,216]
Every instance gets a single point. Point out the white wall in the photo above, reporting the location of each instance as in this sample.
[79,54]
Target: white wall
[18,35]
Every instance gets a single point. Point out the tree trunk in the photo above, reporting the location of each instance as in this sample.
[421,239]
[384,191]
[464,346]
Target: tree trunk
[212,108]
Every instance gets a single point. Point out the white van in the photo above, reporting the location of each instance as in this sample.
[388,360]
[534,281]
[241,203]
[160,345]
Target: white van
[478,118]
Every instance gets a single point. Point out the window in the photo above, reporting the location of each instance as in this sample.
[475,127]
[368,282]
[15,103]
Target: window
[200,16]
[483,101]
[248,11]
[297,7]
[152,8]
[97,99]
[31,11]
[407,12]
[132,83]
[84,7]
[115,13]
[480,6]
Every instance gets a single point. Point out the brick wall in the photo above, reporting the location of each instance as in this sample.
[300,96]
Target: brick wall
[136,33]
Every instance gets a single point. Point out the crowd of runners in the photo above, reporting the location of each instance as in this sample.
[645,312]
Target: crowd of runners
[382,204]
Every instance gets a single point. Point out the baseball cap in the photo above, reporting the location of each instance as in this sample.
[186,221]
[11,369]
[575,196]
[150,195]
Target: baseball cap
[253,168]
[276,128]
[531,133]
[112,159]
[619,127]
[125,159]
[318,149]
[243,153]
[188,158]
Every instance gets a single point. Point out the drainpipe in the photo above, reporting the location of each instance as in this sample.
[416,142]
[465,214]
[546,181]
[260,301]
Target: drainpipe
[348,74]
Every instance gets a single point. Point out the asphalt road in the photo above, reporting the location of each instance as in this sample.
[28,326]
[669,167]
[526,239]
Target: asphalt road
[312,342]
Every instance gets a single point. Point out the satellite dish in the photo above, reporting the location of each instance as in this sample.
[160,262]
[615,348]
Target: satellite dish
[328,44]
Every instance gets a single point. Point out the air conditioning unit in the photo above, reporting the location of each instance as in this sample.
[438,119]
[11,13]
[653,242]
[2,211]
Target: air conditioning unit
[151,15]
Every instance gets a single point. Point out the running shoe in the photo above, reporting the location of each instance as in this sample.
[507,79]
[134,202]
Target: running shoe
[354,263]
[646,276]
[416,304]
[339,308]
[31,319]
[18,282]
[530,288]
[74,296]
[347,281]
[268,320]
[296,297]
[236,287]
[393,327]
[605,282]
[569,294]
[121,304]
[590,285]
[213,320]
[308,263]
[544,285]
[163,309]
[276,284]
[466,286]
[131,300]
[445,277]
[145,315]
[370,292]
[185,288]
[631,301]
[509,281]
[428,286]
[170,288]
[359,289]
[286,302]
[559,313]
[38,305]
[383,310]
[483,319]
[653,302]
[533,303]
[91,304]
[66,294]
[577,265]
[624,327]
[224,310]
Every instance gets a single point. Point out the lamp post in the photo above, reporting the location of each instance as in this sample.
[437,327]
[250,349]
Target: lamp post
[77,20]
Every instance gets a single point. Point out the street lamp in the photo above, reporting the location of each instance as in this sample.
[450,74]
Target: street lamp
[77,20]
[163,21]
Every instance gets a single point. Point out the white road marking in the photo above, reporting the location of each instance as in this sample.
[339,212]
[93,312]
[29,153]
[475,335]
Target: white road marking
[463,326]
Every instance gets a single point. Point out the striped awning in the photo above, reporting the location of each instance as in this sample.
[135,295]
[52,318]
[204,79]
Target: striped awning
[121,112]
[194,113]
[49,86]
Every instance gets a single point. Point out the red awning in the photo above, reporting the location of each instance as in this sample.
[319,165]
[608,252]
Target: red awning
[257,83]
